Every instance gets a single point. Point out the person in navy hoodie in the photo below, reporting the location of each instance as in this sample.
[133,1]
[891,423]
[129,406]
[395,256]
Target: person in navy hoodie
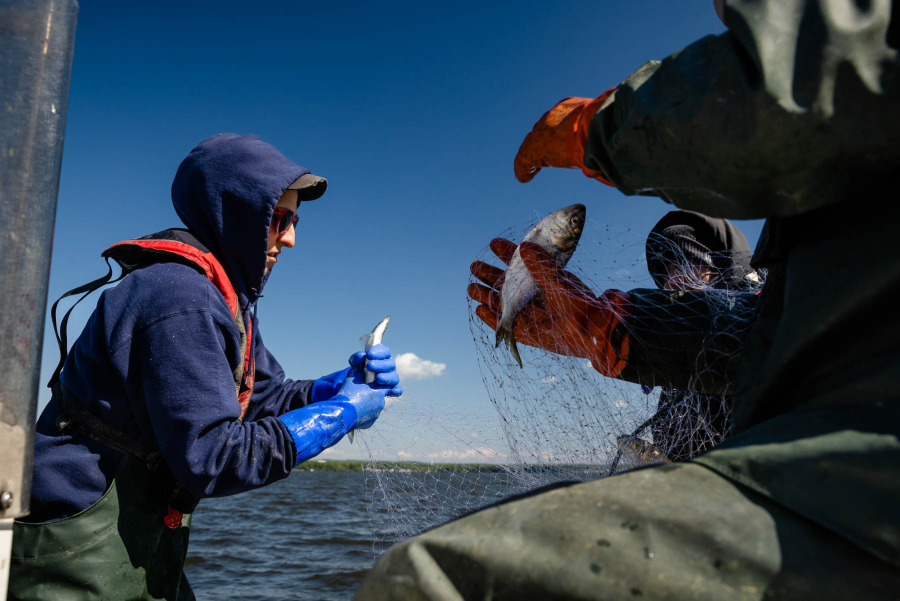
[169,395]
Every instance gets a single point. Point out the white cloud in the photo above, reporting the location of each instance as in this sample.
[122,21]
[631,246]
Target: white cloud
[336,454]
[483,453]
[548,380]
[411,367]
[620,404]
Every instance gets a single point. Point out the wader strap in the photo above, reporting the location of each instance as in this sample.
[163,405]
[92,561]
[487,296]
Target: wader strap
[60,332]
[74,418]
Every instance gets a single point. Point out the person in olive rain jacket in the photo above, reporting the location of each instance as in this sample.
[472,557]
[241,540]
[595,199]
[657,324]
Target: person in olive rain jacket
[791,115]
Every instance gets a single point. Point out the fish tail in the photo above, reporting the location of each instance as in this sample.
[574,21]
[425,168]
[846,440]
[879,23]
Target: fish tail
[515,350]
[505,334]
[501,335]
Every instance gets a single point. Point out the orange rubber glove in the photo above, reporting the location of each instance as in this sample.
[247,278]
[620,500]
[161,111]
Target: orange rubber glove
[567,319]
[558,139]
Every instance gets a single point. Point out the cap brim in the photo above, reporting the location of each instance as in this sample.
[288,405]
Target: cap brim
[309,187]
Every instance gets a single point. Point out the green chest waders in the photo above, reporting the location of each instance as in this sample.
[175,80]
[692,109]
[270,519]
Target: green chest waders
[119,548]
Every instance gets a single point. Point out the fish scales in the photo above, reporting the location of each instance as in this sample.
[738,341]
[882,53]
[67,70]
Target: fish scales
[558,234]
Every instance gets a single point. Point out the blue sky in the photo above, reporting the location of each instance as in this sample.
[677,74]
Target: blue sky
[412,110]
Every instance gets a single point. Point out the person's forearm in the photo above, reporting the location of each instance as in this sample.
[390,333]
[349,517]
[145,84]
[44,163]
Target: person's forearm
[744,125]
[230,458]
[688,340]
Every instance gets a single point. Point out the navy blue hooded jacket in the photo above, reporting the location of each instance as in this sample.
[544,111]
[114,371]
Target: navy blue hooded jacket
[157,356]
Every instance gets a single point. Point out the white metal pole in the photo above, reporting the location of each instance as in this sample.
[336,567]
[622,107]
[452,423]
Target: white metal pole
[6,527]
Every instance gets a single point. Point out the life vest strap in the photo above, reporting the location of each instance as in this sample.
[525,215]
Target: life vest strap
[186,252]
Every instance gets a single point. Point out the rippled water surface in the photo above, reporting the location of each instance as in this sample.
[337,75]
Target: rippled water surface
[307,537]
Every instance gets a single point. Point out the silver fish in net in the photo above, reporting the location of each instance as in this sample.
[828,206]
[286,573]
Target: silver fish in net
[558,234]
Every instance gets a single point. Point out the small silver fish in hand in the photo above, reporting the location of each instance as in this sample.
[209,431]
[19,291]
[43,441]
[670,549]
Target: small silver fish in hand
[558,234]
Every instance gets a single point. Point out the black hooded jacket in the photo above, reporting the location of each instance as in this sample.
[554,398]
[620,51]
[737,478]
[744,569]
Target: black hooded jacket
[687,423]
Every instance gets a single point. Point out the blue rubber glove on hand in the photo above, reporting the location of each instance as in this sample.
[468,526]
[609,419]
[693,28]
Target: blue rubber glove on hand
[380,363]
[354,404]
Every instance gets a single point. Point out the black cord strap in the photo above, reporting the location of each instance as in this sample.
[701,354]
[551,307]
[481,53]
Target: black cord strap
[61,338]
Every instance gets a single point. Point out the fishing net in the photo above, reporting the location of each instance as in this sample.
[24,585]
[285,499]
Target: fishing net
[430,465]
[556,418]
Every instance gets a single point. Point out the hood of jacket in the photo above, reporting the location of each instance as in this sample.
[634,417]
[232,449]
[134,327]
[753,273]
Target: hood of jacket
[225,192]
[690,237]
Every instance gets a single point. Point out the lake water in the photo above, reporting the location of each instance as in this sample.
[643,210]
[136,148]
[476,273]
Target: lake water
[313,536]
[307,537]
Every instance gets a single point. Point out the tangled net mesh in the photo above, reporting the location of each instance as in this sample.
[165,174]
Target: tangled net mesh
[556,418]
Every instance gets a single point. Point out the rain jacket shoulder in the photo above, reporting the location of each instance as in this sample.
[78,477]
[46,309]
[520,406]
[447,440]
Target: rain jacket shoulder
[791,110]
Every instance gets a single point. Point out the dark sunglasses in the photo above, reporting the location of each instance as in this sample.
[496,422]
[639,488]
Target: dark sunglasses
[282,219]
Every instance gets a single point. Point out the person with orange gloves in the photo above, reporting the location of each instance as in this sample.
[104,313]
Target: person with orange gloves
[791,115]
[677,338]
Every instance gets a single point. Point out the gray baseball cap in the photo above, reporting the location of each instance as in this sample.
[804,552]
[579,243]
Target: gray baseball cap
[309,187]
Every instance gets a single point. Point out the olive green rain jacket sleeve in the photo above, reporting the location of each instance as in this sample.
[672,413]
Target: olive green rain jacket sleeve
[791,115]
[793,109]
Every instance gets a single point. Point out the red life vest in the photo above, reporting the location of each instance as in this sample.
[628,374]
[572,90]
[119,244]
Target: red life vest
[178,246]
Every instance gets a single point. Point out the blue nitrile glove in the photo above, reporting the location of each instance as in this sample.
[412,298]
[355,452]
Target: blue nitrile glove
[380,364]
[356,404]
